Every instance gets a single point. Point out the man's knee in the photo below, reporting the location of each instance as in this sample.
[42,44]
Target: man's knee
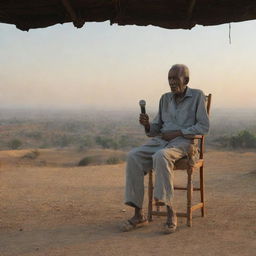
[169,154]
[160,155]
[133,155]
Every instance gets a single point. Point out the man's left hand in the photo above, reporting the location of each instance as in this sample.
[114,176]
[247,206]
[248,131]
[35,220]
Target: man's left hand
[171,135]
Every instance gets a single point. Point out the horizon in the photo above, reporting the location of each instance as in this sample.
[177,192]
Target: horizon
[80,110]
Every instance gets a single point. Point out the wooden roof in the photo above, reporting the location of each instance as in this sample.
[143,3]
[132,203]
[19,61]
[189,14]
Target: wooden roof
[171,14]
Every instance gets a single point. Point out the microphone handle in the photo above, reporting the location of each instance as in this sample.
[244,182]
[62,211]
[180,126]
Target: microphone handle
[143,109]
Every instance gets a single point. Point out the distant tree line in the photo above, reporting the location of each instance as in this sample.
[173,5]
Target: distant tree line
[244,139]
[108,133]
[62,140]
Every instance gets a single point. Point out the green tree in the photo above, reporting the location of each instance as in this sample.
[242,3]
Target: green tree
[106,142]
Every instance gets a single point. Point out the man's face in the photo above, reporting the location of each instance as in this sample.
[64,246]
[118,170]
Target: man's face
[176,81]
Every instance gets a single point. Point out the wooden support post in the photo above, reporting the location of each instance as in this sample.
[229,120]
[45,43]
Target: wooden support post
[189,197]
[73,15]
[150,195]
[202,190]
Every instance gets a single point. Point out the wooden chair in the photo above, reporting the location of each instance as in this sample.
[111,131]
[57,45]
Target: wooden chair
[190,165]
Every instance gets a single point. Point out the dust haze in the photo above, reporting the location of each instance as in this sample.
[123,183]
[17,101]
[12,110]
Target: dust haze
[116,129]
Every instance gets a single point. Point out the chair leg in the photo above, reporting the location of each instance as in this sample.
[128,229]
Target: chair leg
[189,196]
[202,190]
[150,195]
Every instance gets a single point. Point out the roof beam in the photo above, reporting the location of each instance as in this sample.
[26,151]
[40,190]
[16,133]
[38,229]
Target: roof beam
[72,13]
[191,7]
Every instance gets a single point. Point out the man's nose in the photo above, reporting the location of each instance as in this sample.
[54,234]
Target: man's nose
[172,83]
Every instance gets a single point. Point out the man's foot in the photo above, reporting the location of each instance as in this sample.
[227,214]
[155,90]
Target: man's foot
[133,223]
[171,223]
[169,228]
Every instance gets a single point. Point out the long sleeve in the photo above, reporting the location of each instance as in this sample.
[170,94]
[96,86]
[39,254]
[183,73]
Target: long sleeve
[201,126]
[156,124]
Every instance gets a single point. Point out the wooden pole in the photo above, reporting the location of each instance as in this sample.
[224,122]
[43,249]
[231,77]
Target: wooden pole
[150,195]
[189,196]
[73,15]
[191,7]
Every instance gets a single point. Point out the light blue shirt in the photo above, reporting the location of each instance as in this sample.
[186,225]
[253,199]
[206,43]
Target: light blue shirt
[189,115]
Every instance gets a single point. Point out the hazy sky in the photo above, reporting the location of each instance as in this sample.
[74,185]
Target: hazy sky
[114,67]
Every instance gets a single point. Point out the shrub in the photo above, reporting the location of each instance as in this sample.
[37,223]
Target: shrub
[115,159]
[106,142]
[244,139]
[62,140]
[34,135]
[86,161]
[86,142]
[15,144]
[32,155]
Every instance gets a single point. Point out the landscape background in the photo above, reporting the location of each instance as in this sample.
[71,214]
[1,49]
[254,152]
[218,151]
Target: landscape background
[62,183]
[69,114]
[83,131]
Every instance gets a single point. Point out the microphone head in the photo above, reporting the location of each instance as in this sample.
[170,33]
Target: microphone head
[142,103]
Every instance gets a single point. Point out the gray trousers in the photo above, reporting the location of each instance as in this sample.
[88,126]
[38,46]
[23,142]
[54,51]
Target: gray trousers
[159,155]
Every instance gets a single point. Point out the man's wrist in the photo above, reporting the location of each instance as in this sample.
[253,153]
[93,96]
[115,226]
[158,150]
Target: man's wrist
[147,127]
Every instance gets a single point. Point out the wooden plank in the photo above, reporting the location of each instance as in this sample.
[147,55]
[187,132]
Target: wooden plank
[184,188]
[197,206]
[200,162]
[179,214]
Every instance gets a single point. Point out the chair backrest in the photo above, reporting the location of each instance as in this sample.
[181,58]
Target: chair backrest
[208,102]
[208,106]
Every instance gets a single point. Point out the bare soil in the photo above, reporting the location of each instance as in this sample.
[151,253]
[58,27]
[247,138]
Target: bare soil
[67,210]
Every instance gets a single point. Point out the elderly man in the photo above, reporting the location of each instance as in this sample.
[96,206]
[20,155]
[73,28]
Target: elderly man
[181,112]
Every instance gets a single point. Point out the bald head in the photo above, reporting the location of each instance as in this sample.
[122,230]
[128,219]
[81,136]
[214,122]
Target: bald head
[181,70]
[178,77]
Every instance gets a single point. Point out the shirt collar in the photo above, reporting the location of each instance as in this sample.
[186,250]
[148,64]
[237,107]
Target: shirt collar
[187,94]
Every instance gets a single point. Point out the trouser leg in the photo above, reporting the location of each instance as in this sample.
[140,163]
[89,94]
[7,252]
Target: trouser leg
[163,163]
[139,162]
[137,166]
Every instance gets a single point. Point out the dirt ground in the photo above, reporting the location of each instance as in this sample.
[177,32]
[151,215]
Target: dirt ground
[77,211]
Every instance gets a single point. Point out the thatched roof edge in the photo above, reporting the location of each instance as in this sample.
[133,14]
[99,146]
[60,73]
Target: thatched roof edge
[170,14]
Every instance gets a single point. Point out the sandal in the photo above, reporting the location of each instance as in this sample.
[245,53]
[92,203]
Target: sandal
[128,225]
[169,228]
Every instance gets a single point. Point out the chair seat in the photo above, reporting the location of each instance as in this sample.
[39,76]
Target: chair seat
[183,164]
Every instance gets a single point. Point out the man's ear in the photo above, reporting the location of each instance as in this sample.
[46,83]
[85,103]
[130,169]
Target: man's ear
[186,80]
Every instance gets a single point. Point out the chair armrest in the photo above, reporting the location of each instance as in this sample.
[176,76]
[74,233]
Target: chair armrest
[191,136]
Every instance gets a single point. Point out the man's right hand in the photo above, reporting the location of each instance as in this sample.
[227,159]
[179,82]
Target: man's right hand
[144,120]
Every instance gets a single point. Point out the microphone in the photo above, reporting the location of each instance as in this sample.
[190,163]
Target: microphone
[142,106]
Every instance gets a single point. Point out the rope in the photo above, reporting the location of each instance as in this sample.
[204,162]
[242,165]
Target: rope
[229,33]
